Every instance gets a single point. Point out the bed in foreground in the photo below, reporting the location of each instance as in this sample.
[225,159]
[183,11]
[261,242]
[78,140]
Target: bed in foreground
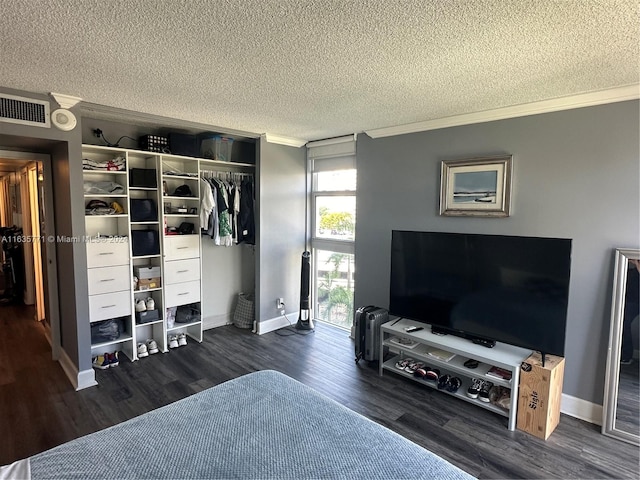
[260,425]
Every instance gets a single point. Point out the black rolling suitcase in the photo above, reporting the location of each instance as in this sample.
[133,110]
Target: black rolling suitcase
[367,322]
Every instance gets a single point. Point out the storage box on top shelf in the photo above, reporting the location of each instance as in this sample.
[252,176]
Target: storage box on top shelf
[183,144]
[539,395]
[153,143]
[217,147]
[147,271]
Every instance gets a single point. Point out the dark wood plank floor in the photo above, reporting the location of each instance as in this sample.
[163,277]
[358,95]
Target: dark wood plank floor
[39,409]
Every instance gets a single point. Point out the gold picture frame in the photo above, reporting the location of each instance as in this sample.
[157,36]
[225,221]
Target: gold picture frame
[477,187]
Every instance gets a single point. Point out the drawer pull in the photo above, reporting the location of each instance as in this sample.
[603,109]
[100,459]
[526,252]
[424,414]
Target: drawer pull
[182,271]
[106,253]
[181,248]
[108,280]
[108,306]
[183,293]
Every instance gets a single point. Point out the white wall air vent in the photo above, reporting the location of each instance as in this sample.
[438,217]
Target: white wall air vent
[24,111]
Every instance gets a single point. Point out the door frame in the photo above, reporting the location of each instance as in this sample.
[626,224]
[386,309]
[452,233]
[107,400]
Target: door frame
[52,306]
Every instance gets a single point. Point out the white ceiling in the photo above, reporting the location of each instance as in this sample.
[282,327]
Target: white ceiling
[314,69]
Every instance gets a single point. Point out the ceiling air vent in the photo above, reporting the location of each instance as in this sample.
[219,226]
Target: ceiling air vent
[24,111]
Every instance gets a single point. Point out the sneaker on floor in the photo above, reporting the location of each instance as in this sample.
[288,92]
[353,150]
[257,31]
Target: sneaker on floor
[113,359]
[173,341]
[142,350]
[151,304]
[141,306]
[101,362]
[152,346]
[484,391]
[474,388]
[182,339]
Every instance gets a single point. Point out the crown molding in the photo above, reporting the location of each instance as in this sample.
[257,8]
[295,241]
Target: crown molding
[600,97]
[333,141]
[288,141]
[66,101]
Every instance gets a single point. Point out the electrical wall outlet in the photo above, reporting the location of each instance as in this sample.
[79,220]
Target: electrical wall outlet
[280,303]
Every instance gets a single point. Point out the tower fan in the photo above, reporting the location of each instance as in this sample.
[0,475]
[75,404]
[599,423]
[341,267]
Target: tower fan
[304,317]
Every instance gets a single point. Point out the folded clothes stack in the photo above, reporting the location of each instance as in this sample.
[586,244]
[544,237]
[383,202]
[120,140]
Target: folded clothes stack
[116,164]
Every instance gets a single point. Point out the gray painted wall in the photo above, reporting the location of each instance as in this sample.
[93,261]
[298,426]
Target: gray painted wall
[281,228]
[576,175]
[65,151]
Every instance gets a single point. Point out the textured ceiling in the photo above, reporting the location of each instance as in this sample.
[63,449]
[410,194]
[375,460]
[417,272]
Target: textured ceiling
[318,68]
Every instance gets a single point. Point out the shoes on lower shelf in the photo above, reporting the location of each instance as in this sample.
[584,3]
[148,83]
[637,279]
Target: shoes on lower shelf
[101,362]
[474,389]
[626,361]
[150,303]
[142,350]
[173,341]
[113,359]
[106,360]
[483,396]
[152,346]
[182,339]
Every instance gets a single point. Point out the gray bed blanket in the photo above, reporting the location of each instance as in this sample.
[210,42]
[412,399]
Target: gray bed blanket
[261,425]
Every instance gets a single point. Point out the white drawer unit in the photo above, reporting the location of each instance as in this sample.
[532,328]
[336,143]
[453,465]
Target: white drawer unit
[109,305]
[108,252]
[178,247]
[182,293]
[109,279]
[178,271]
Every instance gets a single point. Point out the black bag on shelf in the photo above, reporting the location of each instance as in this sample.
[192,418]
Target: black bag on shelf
[143,177]
[186,228]
[188,313]
[143,210]
[145,242]
[106,331]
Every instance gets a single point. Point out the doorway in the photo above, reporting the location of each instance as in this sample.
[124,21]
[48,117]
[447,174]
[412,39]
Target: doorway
[27,257]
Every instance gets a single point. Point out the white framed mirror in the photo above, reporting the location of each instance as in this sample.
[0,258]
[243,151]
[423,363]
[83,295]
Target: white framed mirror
[621,406]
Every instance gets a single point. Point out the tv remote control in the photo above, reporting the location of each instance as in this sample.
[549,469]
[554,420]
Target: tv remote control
[414,329]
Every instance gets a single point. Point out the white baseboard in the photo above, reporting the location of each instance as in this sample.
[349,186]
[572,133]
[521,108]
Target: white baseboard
[79,379]
[582,409]
[215,321]
[276,323]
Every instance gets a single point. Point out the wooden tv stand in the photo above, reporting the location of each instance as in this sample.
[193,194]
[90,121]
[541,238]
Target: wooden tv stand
[502,355]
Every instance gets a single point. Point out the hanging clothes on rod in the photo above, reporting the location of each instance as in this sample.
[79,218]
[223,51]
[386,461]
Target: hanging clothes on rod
[225,215]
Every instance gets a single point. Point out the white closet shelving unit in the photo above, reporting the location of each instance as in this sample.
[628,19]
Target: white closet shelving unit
[108,256]
[111,263]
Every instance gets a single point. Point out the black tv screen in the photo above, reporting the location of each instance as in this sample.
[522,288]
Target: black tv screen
[491,287]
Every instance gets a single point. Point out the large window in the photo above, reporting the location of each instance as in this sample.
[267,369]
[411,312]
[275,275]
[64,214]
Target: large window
[333,231]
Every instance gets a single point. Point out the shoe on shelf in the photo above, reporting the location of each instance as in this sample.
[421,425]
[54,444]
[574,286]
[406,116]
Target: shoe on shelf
[484,391]
[141,306]
[413,366]
[142,350]
[474,388]
[101,362]
[433,374]
[173,341]
[404,363]
[626,361]
[453,384]
[113,359]
[443,381]
[152,346]
[182,339]
[151,304]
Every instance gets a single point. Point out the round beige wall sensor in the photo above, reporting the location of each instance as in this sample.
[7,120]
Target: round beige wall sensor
[64,119]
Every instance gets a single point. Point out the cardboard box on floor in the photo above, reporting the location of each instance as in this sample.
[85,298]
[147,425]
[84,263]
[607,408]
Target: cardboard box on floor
[539,395]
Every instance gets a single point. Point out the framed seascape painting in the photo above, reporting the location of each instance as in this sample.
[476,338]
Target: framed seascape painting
[479,187]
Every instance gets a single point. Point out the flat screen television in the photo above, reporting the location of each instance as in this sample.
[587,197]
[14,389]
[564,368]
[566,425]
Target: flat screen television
[487,288]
